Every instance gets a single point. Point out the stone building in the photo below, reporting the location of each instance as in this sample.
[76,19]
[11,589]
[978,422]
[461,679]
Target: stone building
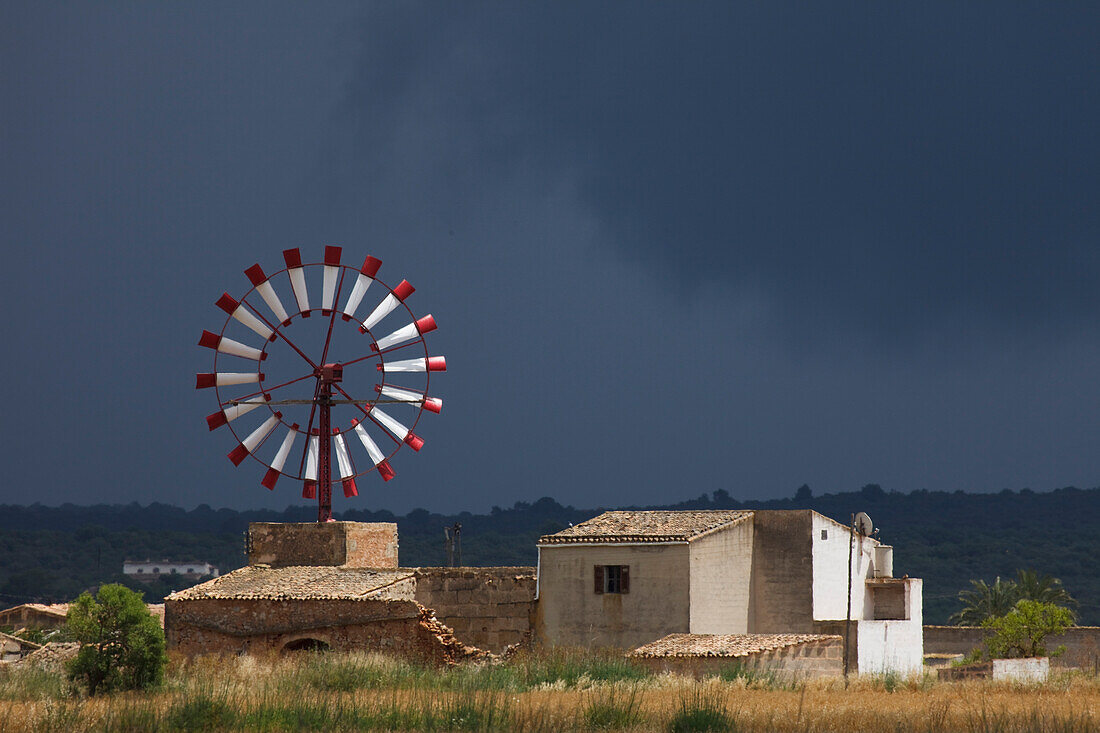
[35,616]
[622,579]
[148,570]
[628,578]
[338,586]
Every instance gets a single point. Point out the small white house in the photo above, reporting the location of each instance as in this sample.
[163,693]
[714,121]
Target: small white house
[148,569]
[627,578]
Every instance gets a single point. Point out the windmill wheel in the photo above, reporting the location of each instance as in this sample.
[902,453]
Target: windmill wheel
[318,387]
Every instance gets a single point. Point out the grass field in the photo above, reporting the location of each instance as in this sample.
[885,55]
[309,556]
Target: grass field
[548,692]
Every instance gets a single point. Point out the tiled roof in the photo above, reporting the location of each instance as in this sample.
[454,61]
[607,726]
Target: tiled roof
[723,645]
[299,583]
[54,609]
[646,526]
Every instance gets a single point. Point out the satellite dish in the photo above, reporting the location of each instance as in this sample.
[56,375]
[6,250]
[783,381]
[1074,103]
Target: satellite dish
[863,524]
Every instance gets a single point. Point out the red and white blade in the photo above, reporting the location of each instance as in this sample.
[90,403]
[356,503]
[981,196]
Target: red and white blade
[400,431]
[263,286]
[226,379]
[279,461]
[433,404]
[401,335]
[380,311]
[243,316]
[343,461]
[431,364]
[257,436]
[229,346]
[311,459]
[375,453]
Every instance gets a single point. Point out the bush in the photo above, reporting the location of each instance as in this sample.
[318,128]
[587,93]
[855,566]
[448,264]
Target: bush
[701,711]
[121,644]
[611,709]
[1021,632]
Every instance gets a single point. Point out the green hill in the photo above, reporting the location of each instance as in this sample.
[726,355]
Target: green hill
[53,553]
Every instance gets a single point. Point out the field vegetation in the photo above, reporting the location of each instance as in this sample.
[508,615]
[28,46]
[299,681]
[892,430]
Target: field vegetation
[549,691]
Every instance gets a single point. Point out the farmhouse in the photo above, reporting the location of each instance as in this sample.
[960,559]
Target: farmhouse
[627,578]
[35,616]
[147,570]
[622,579]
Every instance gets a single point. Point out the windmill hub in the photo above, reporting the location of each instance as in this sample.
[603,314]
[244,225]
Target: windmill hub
[330,373]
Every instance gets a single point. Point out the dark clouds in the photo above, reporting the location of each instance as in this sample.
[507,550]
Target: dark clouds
[670,251]
[894,168]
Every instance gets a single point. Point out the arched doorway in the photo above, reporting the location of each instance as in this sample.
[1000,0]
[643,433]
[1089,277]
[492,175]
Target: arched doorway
[306,645]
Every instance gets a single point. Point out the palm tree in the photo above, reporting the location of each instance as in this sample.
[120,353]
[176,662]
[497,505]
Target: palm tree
[1044,589]
[984,601]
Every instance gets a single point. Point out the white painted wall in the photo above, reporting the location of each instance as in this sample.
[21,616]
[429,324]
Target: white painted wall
[720,573]
[1032,669]
[131,567]
[894,646]
[830,571]
[889,646]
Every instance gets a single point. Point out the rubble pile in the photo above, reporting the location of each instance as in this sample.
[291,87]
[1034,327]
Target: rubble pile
[453,650]
[52,657]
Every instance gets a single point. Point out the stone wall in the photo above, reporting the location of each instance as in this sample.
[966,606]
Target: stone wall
[807,660]
[349,544]
[256,626]
[1082,643]
[490,608]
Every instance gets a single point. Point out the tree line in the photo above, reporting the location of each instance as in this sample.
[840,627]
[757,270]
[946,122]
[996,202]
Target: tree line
[946,538]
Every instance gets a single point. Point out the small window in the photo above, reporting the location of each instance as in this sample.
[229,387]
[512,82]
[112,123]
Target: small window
[612,578]
[824,534]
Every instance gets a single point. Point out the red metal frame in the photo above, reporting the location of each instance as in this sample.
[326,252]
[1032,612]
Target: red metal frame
[328,376]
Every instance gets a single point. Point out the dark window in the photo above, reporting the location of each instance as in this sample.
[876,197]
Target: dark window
[824,534]
[612,578]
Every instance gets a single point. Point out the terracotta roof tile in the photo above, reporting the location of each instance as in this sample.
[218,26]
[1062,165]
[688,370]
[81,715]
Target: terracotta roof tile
[723,645]
[301,583]
[646,526]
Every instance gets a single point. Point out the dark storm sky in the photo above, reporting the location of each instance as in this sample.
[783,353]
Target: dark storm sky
[672,248]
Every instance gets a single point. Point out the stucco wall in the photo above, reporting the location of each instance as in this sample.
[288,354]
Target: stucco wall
[782,573]
[830,571]
[720,580]
[489,608]
[894,646]
[889,646]
[571,613]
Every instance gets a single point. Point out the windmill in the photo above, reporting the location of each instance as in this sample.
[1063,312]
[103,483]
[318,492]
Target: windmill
[315,373]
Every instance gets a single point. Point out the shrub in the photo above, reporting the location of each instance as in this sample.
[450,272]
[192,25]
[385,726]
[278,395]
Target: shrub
[610,709]
[701,712]
[121,644]
[1021,632]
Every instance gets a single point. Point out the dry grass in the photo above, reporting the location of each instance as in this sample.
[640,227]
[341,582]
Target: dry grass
[538,693]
